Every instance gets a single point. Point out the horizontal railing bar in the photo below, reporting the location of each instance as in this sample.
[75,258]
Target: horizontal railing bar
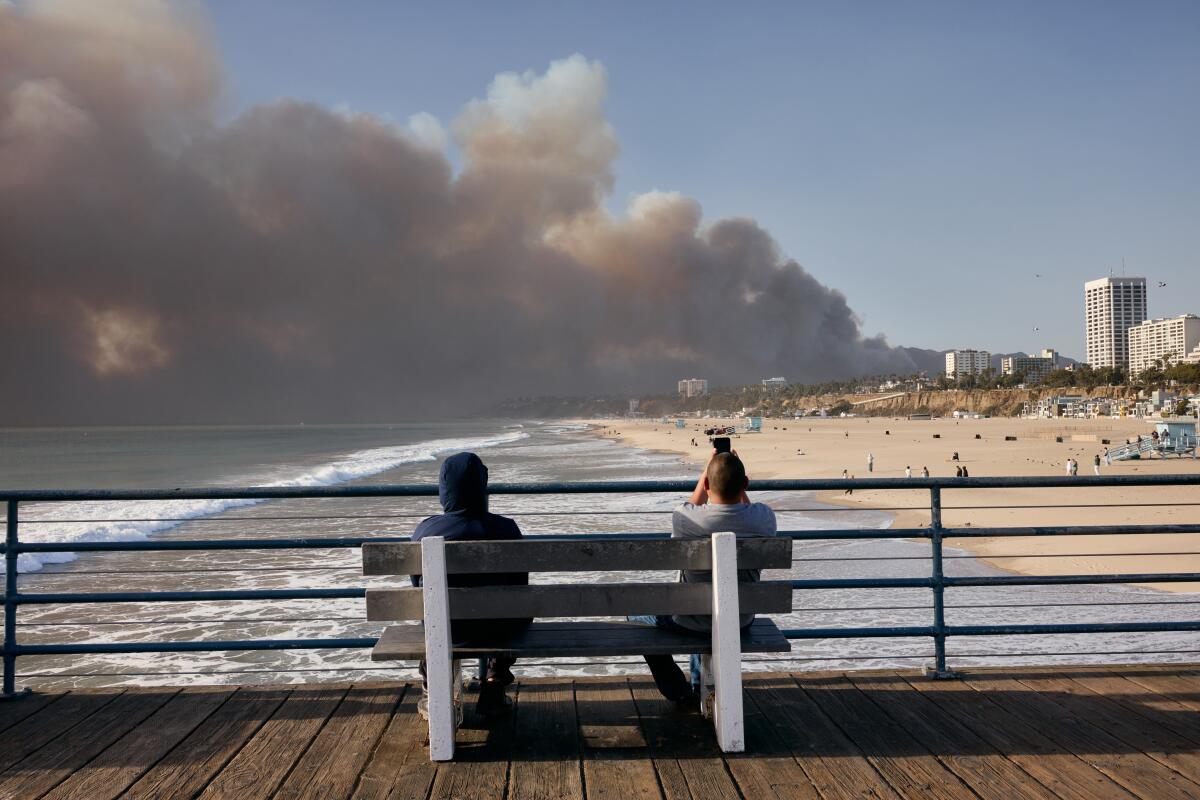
[1074,653]
[45,598]
[199,570]
[1050,580]
[1068,530]
[516,512]
[1072,627]
[319,543]
[224,621]
[859,633]
[1084,605]
[588,487]
[111,648]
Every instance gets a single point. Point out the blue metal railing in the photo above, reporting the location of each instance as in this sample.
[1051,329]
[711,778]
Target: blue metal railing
[939,631]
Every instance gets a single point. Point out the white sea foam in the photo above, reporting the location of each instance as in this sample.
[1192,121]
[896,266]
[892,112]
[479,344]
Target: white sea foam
[123,521]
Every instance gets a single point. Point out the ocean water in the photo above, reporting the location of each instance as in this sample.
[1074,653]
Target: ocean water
[530,451]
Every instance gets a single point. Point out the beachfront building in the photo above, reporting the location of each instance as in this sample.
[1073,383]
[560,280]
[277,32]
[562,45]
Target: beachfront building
[774,383]
[1111,307]
[1192,357]
[1034,368]
[1172,338]
[967,362]
[693,387]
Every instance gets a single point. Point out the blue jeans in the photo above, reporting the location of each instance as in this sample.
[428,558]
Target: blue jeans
[668,677]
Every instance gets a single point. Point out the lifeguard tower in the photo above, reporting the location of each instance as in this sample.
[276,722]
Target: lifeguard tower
[754,425]
[1176,437]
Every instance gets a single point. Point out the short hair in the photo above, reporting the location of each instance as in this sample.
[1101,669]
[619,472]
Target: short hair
[726,475]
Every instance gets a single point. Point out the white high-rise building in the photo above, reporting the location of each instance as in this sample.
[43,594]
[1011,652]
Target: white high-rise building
[1034,368]
[967,362]
[1157,338]
[1111,307]
[693,387]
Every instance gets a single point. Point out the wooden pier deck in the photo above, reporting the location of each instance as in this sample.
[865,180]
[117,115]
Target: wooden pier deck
[1080,733]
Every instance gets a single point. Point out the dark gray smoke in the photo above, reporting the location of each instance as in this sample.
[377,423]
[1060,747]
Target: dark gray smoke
[299,263]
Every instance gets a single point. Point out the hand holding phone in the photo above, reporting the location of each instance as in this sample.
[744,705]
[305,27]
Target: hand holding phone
[721,444]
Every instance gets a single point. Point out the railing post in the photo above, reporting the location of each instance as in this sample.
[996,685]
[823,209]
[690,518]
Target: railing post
[10,604]
[939,670]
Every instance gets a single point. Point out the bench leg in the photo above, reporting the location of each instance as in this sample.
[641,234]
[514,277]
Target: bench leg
[727,646]
[441,674]
[707,691]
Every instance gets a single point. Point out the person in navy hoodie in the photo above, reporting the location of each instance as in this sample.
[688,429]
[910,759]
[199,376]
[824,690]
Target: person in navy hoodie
[462,489]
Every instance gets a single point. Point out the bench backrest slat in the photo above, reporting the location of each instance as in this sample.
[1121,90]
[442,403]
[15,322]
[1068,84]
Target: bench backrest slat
[531,555]
[579,600]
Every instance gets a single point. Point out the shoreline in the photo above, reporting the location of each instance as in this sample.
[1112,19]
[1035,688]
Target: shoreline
[812,448]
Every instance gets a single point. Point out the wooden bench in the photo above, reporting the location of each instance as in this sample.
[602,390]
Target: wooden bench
[434,605]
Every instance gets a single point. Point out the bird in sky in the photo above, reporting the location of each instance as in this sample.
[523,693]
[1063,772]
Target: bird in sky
[1037,275]
[1162,284]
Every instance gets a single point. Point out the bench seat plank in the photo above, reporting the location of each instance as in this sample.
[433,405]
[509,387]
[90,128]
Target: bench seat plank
[595,555]
[578,600]
[569,639]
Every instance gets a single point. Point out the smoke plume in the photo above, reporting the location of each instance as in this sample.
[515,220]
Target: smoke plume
[300,263]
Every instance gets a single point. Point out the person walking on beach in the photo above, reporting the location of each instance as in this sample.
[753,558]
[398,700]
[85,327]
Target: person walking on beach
[924,472]
[462,490]
[718,503]
[1107,457]
[908,472]
[1096,464]
[1068,467]
[965,474]
[870,462]
[958,472]
[846,474]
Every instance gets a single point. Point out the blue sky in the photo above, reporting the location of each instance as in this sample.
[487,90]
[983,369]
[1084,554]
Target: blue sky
[928,159]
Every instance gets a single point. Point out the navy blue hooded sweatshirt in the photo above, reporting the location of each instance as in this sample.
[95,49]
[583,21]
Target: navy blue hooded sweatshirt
[462,489]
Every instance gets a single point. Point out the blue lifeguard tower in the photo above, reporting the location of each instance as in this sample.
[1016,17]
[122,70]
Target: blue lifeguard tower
[754,425]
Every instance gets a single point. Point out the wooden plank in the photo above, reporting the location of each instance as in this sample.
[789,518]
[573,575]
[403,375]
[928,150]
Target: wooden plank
[834,765]
[545,755]
[1159,709]
[399,768]
[767,769]
[579,600]
[609,555]
[1159,742]
[407,642]
[45,768]
[616,760]
[910,769]
[261,765]
[683,748]
[1136,771]
[988,773]
[726,660]
[113,771]
[1065,773]
[54,719]
[1181,688]
[189,767]
[481,759]
[18,709]
[331,765]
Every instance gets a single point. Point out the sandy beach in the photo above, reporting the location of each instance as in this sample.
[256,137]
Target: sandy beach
[822,448]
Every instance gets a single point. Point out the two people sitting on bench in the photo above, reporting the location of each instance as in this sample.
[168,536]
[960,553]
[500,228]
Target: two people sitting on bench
[462,490]
[718,503]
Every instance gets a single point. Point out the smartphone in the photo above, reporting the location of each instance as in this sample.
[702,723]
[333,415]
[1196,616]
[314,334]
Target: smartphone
[721,444]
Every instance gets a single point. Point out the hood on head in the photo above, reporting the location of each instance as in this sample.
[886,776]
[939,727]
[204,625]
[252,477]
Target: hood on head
[462,484]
